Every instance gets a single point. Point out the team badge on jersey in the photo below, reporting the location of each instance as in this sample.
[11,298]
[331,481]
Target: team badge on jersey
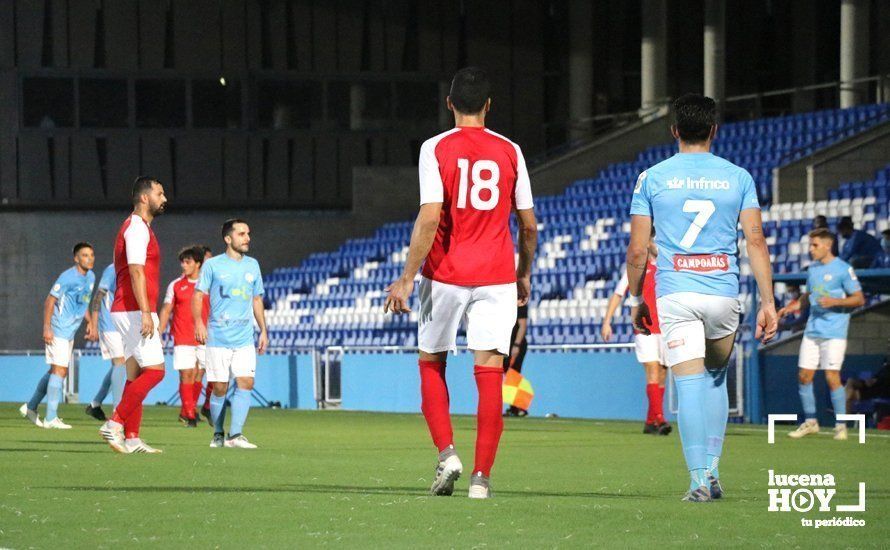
[827,277]
[248,277]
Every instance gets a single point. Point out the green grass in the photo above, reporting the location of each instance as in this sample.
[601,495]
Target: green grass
[359,480]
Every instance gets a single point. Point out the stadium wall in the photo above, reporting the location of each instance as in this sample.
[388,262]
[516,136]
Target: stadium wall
[567,384]
[288,379]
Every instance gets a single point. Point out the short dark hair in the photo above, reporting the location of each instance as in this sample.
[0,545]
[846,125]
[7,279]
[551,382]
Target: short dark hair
[822,233]
[141,186]
[886,232]
[694,116]
[205,249]
[77,248]
[229,225]
[846,221]
[196,253]
[470,89]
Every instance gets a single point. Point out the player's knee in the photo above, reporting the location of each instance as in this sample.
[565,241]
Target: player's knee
[804,377]
[245,383]
[220,388]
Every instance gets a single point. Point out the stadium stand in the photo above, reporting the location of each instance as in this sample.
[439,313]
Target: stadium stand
[335,298]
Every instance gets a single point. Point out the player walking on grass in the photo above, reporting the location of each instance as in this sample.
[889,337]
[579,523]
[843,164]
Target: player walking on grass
[649,347]
[137,262]
[188,354]
[696,200]
[63,310]
[199,377]
[470,180]
[110,344]
[832,292]
[235,285]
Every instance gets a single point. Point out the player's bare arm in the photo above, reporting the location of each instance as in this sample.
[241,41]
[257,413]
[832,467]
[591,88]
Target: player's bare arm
[758,256]
[528,243]
[92,329]
[140,292]
[95,305]
[422,237]
[857,299]
[198,317]
[611,308]
[164,317]
[637,259]
[803,304]
[259,313]
[48,305]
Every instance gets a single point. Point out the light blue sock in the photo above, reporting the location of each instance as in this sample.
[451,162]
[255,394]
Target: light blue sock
[39,392]
[839,402]
[53,396]
[808,400]
[103,389]
[118,381]
[691,418]
[218,412]
[240,407]
[717,413]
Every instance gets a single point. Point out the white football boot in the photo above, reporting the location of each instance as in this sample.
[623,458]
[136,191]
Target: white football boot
[480,487]
[448,470]
[807,428]
[840,432]
[56,424]
[139,446]
[32,416]
[239,442]
[113,433]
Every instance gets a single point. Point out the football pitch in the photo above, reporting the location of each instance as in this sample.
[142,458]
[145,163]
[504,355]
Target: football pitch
[331,478]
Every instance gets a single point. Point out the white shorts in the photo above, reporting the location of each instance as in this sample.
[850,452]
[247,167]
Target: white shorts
[489,313]
[822,353]
[59,352]
[224,364]
[111,344]
[687,319]
[649,348]
[146,351]
[186,357]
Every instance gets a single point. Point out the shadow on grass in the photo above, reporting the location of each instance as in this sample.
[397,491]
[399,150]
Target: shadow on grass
[343,489]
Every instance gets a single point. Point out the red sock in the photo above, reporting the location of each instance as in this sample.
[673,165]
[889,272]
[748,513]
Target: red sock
[186,393]
[197,389]
[489,422]
[132,423]
[135,393]
[659,405]
[434,403]
[207,393]
[652,396]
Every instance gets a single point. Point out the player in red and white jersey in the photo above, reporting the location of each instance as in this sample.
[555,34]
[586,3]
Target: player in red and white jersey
[188,354]
[649,347]
[137,262]
[471,179]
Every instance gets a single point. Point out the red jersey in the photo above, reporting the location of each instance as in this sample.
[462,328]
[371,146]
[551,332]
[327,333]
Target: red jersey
[182,324]
[648,296]
[479,177]
[135,244]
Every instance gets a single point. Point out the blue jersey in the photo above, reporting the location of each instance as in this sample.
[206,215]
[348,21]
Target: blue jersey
[694,200]
[232,285]
[836,279]
[108,283]
[72,292]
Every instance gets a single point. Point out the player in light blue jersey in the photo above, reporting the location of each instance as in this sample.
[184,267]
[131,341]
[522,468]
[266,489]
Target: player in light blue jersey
[696,200]
[63,311]
[235,285]
[832,292]
[110,344]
